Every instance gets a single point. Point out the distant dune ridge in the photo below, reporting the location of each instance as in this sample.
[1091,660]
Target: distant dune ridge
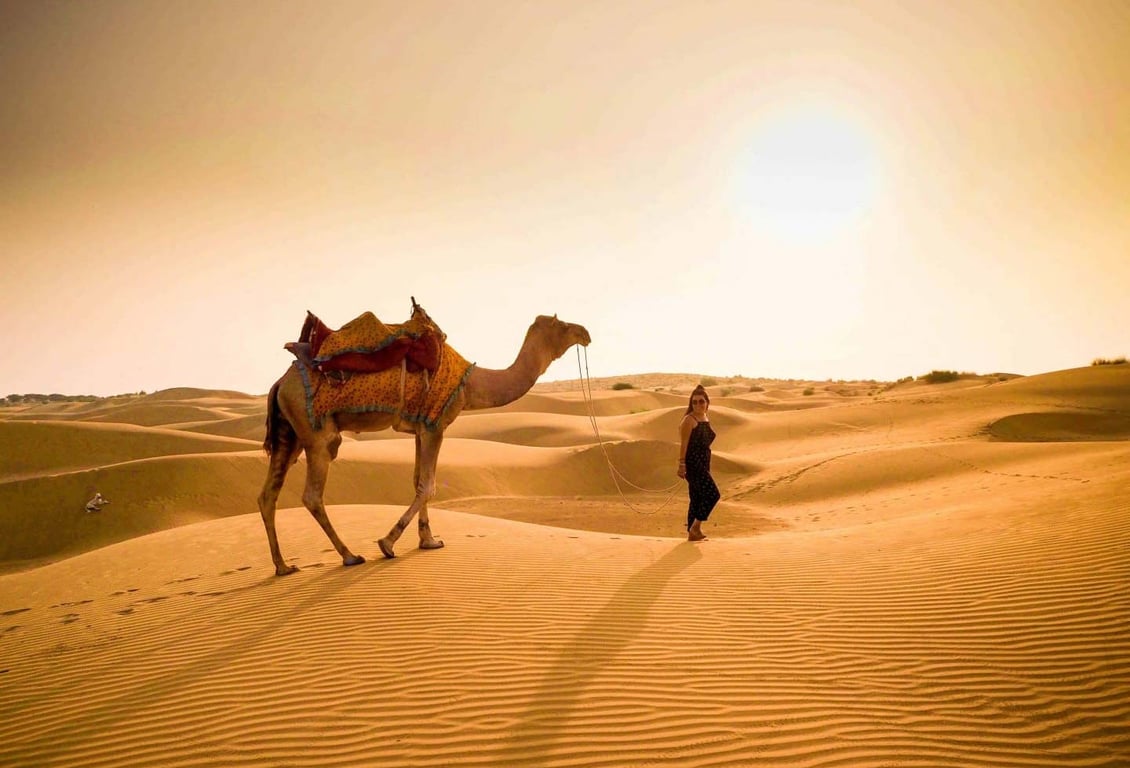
[920,575]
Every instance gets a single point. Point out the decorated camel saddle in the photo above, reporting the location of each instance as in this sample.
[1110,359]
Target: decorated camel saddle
[406,370]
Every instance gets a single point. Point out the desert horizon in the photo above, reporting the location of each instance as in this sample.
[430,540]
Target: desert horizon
[914,573]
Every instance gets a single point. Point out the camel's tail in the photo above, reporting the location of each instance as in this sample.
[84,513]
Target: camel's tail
[277,426]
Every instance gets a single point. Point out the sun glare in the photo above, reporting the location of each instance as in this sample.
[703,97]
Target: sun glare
[807,176]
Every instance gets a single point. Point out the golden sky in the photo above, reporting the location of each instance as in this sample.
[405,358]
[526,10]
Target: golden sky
[784,189]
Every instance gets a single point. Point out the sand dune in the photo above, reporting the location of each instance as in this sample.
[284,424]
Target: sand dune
[164,407]
[604,403]
[160,414]
[547,430]
[924,575]
[1066,426]
[45,447]
[242,427]
[178,394]
[529,645]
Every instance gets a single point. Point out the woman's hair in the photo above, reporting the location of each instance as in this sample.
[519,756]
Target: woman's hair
[699,390]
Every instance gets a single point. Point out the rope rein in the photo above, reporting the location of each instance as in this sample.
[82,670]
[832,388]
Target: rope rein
[617,476]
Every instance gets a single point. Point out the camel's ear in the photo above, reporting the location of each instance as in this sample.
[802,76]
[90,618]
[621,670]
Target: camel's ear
[554,315]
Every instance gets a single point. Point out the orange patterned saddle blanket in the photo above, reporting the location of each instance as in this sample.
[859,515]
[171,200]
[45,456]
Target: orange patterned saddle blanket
[413,399]
[366,366]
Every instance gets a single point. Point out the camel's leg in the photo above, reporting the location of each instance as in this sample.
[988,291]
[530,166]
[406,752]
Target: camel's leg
[427,453]
[318,458]
[283,457]
[427,540]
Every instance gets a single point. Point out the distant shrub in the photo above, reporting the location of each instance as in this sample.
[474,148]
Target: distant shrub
[623,385]
[756,388]
[35,398]
[708,381]
[1109,361]
[892,384]
[940,377]
[809,391]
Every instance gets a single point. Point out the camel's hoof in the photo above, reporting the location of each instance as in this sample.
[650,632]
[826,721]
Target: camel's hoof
[352,560]
[432,543]
[285,570]
[386,548]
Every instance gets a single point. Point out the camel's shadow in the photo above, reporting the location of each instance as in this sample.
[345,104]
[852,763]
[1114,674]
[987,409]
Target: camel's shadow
[182,671]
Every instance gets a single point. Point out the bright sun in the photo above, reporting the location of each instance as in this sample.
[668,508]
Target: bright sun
[807,176]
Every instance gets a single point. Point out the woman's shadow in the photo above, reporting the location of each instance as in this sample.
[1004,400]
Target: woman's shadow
[587,655]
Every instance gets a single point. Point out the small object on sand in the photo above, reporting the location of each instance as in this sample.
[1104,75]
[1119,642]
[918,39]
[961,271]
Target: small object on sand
[96,504]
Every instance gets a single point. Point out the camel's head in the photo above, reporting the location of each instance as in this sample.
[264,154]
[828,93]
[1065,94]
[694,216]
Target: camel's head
[558,335]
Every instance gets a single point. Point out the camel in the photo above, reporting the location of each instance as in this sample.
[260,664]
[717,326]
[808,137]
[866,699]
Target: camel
[289,431]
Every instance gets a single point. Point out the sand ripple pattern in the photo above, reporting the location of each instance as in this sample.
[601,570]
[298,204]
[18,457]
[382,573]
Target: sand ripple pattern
[1005,643]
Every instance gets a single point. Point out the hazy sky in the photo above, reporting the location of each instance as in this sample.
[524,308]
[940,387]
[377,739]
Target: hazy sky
[785,189]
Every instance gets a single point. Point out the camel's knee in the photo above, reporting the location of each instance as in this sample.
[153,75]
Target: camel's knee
[426,491]
[312,500]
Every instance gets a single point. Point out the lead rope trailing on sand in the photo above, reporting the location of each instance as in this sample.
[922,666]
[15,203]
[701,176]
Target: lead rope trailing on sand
[583,374]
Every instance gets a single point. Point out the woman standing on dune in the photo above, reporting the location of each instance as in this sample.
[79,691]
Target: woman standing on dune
[694,462]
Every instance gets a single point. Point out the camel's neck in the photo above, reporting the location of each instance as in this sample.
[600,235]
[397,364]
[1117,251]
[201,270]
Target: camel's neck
[490,387]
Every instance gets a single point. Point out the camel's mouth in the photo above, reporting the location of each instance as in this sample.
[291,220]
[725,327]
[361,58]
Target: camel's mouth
[583,337]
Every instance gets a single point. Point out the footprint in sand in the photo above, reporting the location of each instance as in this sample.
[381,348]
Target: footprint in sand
[71,618]
[125,612]
[14,611]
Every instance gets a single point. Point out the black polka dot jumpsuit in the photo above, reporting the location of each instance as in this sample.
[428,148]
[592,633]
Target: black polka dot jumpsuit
[703,490]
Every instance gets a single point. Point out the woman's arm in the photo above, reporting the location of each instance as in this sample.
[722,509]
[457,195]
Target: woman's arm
[685,429]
